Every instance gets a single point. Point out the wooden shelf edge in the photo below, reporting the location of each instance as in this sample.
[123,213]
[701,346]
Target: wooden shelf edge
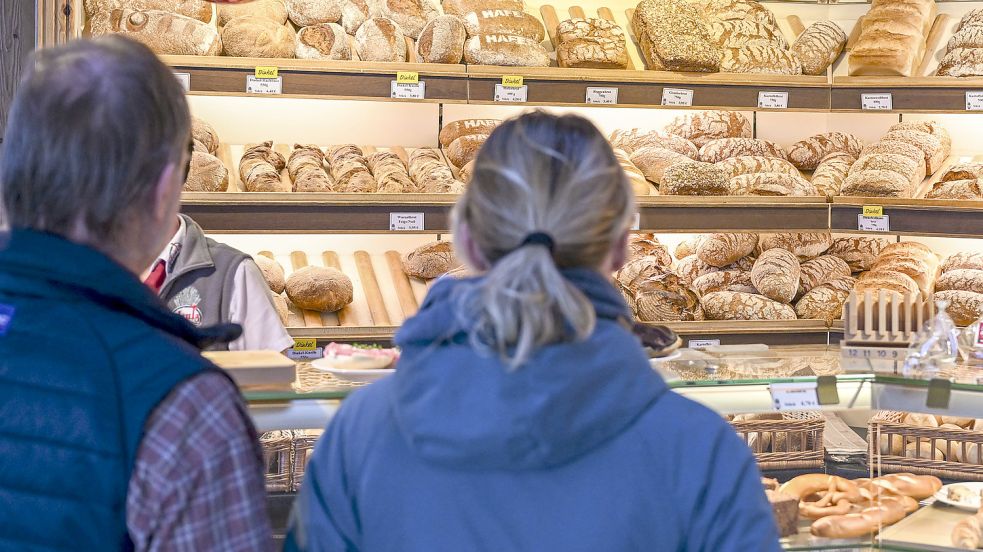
[484,72]
[314,66]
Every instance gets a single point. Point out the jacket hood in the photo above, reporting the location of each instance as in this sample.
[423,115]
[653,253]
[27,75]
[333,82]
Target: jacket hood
[466,409]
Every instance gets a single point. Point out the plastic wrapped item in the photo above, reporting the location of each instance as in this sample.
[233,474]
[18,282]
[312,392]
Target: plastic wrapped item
[934,347]
[971,343]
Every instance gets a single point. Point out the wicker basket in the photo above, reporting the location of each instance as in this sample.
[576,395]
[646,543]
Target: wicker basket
[303,446]
[886,427]
[794,442]
[278,460]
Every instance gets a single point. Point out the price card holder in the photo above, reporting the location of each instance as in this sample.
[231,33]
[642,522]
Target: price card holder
[678,97]
[519,94]
[263,85]
[827,391]
[877,102]
[305,349]
[702,343]
[794,396]
[602,96]
[406,222]
[974,100]
[185,80]
[773,100]
[874,224]
[939,393]
[408,91]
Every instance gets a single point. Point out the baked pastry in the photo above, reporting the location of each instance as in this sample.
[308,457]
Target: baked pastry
[956,189]
[272,273]
[323,41]
[503,22]
[754,164]
[305,13]
[259,168]
[963,171]
[166,33]
[694,178]
[771,184]
[722,249]
[858,252]
[776,275]
[319,289]
[274,10]
[380,39]
[654,160]
[832,171]
[442,40]
[631,140]
[252,36]
[505,50]
[820,270]
[717,150]
[808,153]
[430,260]
[411,16]
[703,126]
[207,174]
[466,127]
[819,46]
[804,246]
[204,133]
[735,305]
[760,58]
[877,183]
[306,169]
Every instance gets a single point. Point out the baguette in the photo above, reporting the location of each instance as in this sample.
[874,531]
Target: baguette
[776,275]
[734,305]
[808,153]
[306,170]
[964,279]
[694,178]
[442,40]
[259,168]
[832,171]
[503,22]
[703,126]
[167,33]
[722,249]
[819,46]
[505,50]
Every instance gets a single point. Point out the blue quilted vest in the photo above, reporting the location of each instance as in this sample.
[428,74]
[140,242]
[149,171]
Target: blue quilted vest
[86,354]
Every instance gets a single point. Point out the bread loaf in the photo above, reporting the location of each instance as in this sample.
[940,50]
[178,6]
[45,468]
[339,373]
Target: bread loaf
[306,169]
[964,279]
[970,37]
[654,160]
[876,184]
[281,308]
[956,189]
[821,270]
[591,27]
[693,178]
[973,18]
[931,147]
[776,275]
[819,46]
[465,149]
[687,247]
[274,10]
[350,170]
[323,41]
[832,171]
[353,14]
[641,268]
[911,249]
[461,7]
[319,289]
[808,153]
[411,16]
[722,249]
[965,307]
[466,127]
[251,36]
[911,169]
[259,169]
[678,37]
[634,139]
[505,50]
[963,260]
[703,126]
[859,253]
[167,33]
[442,40]
[962,62]
[771,184]
[921,272]
[204,133]
[754,164]
[648,245]
[717,150]
[207,174]
[305,13]
[762,59]
[663,298]
[380,39]
[896,147]
[963,171]
[804,246]
[734,305]
[430,260]
[272,273]
[592,53]
[825,301]
[724,280]
[431,174]
[98,11]
[931,127]
[503,22]
[690,268]
[738,33]
[728,10]
[876,281]
[639,185]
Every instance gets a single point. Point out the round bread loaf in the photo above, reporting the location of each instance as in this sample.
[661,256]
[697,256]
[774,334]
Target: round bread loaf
[202,131]
[252,36]
[319,288]
[505,50]
[825,301]
[503,22]
[965,307]
[272,273]
[323,41]
[734,305]
[821,270]
[353,14]
[465,149]
[430,261]
[805,246]
[722,249]
[703,126]
[965,279]
[466,127]
[207,174]
[305,13]
[663,298]
[776,275]
[876,280]
[280,305]
[380,39]
[442,40]
[724,280]
[965,259]
[858,252]
[410,15]
[654,160]
[694,178]
[274,10]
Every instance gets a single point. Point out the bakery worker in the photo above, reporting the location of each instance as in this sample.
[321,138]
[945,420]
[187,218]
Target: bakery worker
[209,283]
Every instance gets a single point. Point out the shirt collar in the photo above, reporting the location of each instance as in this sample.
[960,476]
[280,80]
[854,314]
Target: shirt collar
[173,248]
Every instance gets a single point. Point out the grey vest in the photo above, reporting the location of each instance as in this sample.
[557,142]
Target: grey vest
[199,281]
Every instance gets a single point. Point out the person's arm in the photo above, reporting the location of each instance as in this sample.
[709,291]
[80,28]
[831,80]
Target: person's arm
[197,483]
[252,308]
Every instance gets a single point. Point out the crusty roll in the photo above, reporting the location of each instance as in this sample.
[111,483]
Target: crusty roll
[272,273]
[430,260]
[442,40]
[259,168]
[820,270]
[819,46]
[274,10]
[465,127]
[465,149]
[858,252]
[306,169]
[804,246]
[776,275]
[722,249]
[503,22]
[734,305]
[703,126]
[380,39]
[717,150]
[251,36]
[319,288]
[808,153]
[167,33]
[305,13]
[207,174]
[411,16]
[505,50]
[353,14]
[323,41]
[694,178]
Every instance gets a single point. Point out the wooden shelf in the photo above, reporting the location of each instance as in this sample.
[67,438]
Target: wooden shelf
[909,95]
[922,217]
[732,213]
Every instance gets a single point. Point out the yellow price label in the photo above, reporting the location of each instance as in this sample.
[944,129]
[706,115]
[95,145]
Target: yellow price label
[512,81]
[305,344]
[407,77]
[873,211]
[267,72]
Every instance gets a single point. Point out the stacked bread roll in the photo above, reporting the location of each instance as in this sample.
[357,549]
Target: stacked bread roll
[961,286]
[892,37]
[591,43]
[964,52]
[961,181]
[207,172]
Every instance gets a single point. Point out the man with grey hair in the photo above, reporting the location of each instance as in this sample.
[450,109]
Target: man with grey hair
[115,433]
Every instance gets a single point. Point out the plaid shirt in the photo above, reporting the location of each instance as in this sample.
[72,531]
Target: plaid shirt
[197,483]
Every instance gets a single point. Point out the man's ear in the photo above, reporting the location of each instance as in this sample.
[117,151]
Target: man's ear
[619,254]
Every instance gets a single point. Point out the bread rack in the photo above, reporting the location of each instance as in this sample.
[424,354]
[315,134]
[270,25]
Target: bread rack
[879,327]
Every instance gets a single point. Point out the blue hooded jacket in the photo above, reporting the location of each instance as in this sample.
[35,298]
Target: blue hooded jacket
[584,447]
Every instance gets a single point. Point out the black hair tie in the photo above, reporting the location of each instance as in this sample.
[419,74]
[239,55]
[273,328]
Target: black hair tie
[539,238]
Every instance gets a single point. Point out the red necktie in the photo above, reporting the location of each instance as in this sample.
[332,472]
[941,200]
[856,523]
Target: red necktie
[156,277]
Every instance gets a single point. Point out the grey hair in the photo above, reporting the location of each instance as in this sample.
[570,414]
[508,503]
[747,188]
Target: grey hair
[539,172]
[92,127]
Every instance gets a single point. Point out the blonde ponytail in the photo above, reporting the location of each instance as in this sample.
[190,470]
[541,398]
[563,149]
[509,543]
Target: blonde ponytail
[545,175]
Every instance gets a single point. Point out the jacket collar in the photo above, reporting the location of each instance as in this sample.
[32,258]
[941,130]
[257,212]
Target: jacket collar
[192,255]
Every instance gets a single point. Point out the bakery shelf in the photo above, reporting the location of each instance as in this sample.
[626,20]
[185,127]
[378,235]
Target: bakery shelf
[909,95]
[732,213]
[321,79]
[923,217]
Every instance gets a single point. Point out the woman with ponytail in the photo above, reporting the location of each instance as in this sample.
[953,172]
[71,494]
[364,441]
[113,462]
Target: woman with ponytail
[524,414]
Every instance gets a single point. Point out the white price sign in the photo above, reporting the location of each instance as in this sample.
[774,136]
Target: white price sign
[264,86]
[874,224]
[185,80]
[974,100]
[681,97]
[294,354]
[702,343]
[773,100]
[636,221]
[518,94]
[794,396]
[408,91]
[405,221]
[877,102]
[602,96]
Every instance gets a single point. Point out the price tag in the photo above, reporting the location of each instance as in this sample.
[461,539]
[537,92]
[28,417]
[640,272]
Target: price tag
[636,221]
[682,97]
[794,396]
[874,224]
[974,100]
[266,72]
[602,96]
[504,93]
[264,86]
[873,211]
[877,102]
[408,91]
[939,393]
[185,80]
[305,344]
[294,354]
[512,81]
[773,100]
[405,221]
[407,77]
[702,343]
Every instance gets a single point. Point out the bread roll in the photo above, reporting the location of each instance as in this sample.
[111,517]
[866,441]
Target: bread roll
[963,171]
[956,189]
[754,164]
[886,280]
[259,169]
[411,16]
[319,289]
[859,253]
[466,127]
[280,305]
[323,41]
[694,178]
[505,50]
[207,174]
[776,275]
[430,260]
[380,39]
[820,270]
[808,153]
[461,7]
[963,260]
[761,59]
[503,22]
[771,184]
[274,10]
[876,184]
[725,148]
[804,246]
[931,147]
[202,131]
[724,280]
[965,279]
[654,160]
[442,40]
[250,36]
[634,139]
[723,249]
[306,169]
[825,301]
[703,126]
[734,305]
[305,13]
[829,176]
[819,46]
[272,273]
[167,33]
[353,14]
[965,307]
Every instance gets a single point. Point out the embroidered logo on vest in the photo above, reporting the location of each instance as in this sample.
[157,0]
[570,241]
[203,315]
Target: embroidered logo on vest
[186,304]
[6,317]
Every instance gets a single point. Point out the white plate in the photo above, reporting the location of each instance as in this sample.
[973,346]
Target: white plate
[974,486]
[358,376]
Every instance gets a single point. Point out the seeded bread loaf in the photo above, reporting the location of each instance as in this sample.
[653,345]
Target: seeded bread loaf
[821,270]
[634,139]
[963,260]
[825,301]
[274,10]
[505,50]
[876,184]
[804,246]
[166,33]
[776,275]
[703,126]
[380,39]
[771,184]
[963,171]
[724,280]
[306,169]
[305,13]
[442,40]
[722,249]
[653,161]
[819,46]
[956,189]
[808,153]
[965,279]
[965,307]
[760,59]
[832,171]
[734,305]
[318,288]
[754,164]
[694,178]
[259,168]
[678,37]
[323,41]
[207,174]
[717,150]
[858,252]
[503,22]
